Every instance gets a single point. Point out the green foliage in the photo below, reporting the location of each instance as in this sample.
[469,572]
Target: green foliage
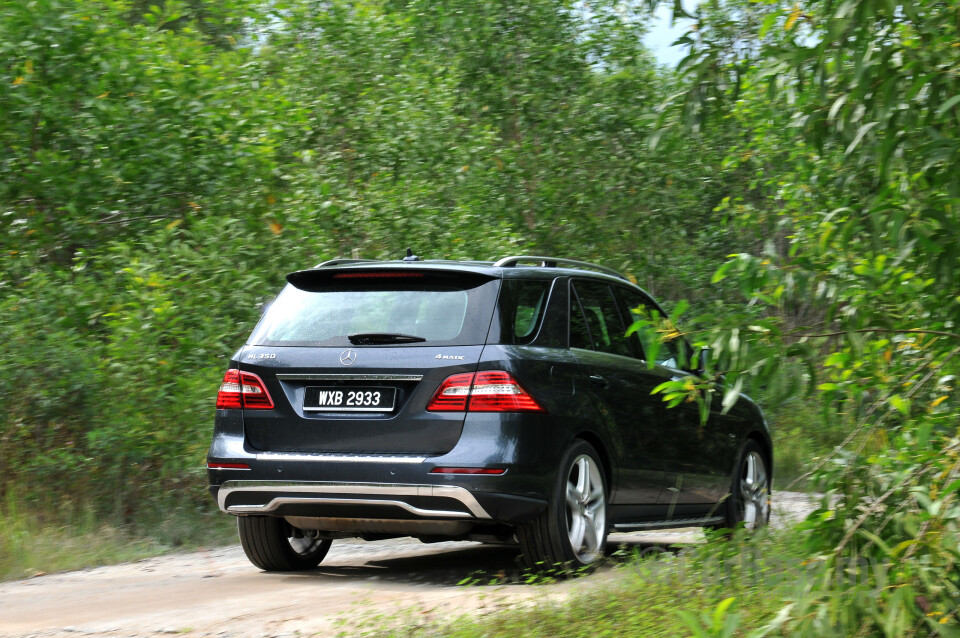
[847,163]
[722,623]
[113,128]
[111,378]
[163,167]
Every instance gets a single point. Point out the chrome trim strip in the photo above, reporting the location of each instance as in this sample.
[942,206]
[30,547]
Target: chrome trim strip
[291,500]
[340,458]
[390,409]
[368,490]
[676,522]
[350,377]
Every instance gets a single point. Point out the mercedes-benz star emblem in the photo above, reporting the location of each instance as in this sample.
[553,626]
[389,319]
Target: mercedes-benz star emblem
[347,357]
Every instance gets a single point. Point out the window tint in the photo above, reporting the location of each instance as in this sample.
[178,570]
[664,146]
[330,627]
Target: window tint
[602,318]
[439,313]
[665,351]
[522,304]
[579,333]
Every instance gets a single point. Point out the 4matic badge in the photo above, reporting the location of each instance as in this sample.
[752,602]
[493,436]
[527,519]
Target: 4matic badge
[450,357]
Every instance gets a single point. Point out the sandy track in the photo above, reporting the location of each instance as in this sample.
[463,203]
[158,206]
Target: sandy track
[218,593]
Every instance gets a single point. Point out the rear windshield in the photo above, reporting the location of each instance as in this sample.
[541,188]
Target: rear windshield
[442,311]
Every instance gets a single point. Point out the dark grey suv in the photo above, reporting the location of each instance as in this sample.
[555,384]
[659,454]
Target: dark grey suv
[495,402]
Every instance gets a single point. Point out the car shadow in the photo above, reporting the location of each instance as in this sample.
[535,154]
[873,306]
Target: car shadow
[450,564]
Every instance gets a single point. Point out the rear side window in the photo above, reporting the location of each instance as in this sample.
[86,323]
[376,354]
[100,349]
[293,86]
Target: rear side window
[522,304]
[600,320]
[440,310]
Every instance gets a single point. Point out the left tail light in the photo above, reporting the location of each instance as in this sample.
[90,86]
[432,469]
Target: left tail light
[243,390]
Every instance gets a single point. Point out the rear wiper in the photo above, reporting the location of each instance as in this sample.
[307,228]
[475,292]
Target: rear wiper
[368,338]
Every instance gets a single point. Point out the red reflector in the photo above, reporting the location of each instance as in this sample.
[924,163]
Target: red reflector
[243,390]
[377,275]
[467,470]
[227,466]
[489,391]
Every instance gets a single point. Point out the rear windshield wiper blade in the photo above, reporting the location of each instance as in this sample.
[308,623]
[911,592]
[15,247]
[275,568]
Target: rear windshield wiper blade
[368,338]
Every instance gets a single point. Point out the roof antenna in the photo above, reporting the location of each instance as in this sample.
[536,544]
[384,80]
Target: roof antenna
[410,256]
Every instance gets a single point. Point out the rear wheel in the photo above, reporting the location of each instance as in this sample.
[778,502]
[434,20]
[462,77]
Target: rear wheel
[270,544]
[748,503]
[572,532]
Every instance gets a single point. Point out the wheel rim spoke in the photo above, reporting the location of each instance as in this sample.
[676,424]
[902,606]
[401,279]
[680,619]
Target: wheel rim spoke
[573,498]
[596,520]
[583,477]
[591,537]
[577,530]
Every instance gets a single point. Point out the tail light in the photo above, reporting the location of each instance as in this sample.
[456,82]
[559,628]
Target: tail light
[489,391]
[452,395]
[243,390]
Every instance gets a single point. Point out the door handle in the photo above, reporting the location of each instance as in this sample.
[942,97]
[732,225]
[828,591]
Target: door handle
[596,379]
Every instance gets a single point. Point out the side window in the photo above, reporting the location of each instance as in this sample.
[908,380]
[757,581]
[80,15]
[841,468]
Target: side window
[579,333]
[664,351]
[602,318]
[521,309]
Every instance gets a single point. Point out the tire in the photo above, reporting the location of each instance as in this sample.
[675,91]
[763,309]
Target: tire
[572,532]
[748,503]
[269,544]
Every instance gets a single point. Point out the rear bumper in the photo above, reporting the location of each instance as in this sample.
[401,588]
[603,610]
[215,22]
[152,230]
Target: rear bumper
[391,486]
[398,488]
[396,501]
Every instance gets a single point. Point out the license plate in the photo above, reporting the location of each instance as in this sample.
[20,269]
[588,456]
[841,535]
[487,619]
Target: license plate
[353,399]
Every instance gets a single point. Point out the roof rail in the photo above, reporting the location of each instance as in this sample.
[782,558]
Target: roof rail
[553,262]
[338,262]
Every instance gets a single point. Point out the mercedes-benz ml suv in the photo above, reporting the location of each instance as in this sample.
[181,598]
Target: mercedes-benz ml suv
[470,400]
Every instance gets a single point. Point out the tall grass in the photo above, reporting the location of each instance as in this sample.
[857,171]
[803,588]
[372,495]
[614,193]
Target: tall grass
[716,589]
[45,539]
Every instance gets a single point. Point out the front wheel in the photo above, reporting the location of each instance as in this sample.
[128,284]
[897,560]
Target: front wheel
[748,503]
[572,532]
[270,544]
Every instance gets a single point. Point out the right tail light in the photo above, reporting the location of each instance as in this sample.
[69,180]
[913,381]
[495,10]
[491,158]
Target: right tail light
[488,391]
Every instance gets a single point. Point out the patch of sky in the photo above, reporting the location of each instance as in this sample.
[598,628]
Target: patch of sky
[663,34]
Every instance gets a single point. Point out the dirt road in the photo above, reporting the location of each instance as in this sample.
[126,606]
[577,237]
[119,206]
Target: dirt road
[359,585]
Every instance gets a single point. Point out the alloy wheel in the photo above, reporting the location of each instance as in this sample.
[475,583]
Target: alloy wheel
[585,511]
[754,491]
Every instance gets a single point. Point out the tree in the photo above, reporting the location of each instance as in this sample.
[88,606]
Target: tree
[849,113]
